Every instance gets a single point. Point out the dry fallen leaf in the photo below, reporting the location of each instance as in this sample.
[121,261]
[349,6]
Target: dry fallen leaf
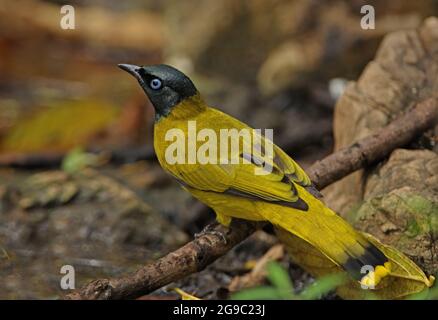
[258,272]
[60,127]
[184,295]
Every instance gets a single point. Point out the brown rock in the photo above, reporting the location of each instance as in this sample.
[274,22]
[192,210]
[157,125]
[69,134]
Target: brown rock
[282,42]
[397,200]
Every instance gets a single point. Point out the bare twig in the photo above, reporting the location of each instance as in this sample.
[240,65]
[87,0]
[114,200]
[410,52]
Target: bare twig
[197,254]
[376,146]
[191,258]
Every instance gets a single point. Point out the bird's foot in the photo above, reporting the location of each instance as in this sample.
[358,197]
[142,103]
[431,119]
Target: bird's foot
[209,229]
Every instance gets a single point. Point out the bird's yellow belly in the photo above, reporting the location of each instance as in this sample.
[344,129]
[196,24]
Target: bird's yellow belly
[229,206]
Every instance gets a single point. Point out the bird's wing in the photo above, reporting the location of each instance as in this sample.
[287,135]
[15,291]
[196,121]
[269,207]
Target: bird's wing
[290,168]
[258,176]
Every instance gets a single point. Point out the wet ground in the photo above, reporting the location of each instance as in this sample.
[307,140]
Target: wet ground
[106,222]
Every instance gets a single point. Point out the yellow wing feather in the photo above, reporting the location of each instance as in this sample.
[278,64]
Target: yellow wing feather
[275,186]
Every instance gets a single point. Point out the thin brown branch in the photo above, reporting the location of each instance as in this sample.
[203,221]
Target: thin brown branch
[199,253]
[192,257]
[376,146]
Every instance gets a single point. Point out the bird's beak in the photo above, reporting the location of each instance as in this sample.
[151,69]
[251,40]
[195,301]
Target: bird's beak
[132,69]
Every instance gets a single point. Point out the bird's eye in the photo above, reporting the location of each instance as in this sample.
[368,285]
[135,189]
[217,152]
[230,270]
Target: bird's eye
[155,84]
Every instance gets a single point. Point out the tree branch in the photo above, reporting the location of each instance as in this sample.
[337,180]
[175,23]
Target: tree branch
[199,253]
[375,147]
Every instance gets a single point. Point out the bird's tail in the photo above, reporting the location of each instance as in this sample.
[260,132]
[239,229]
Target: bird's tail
[338,241]
[369,268]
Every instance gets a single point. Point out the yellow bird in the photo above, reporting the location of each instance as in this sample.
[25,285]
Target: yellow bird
[279,192]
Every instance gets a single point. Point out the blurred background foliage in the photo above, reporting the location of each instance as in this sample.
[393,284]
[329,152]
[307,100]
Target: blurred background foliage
[246,55]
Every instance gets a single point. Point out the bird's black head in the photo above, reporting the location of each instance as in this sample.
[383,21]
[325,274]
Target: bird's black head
[164,85]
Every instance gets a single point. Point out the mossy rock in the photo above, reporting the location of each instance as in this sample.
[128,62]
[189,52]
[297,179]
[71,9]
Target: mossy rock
[401,206]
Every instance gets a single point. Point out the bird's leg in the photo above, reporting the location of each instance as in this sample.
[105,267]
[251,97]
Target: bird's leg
[223,219]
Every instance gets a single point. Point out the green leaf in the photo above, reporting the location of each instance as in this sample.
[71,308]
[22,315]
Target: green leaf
[77,159]
[258,293]
[422,295]
[280,279]
[4,254]
[426,294]
[323,286]
[433,293]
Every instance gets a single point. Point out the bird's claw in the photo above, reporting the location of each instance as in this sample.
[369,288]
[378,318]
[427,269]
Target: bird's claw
[209,229]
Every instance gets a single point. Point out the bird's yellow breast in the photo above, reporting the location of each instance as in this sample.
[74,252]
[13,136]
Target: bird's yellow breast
[181,117]
[191,114]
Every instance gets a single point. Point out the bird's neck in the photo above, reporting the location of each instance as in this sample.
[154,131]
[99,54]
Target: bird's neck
[188,108]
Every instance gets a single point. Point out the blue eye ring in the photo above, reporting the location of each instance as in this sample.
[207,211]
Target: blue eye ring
[155,84]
